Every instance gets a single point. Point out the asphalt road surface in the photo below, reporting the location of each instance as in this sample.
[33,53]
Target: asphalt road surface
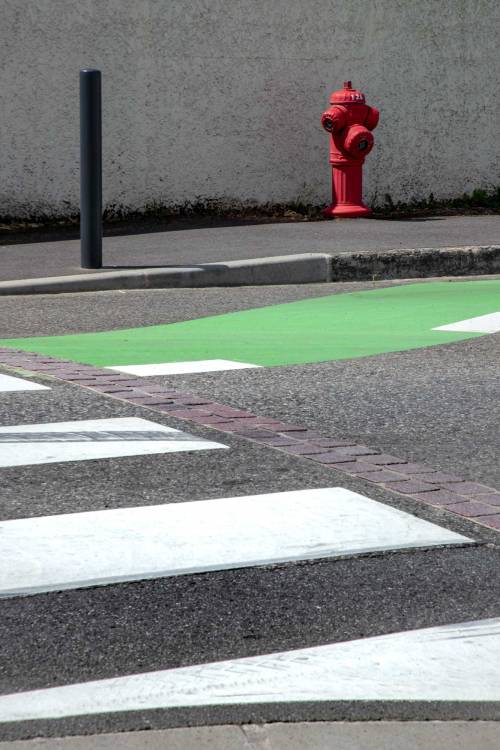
[283,574]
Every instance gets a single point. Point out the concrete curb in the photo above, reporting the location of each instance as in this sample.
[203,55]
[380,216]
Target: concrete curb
[369,735]
[416,263]
[282,269]
[305,268]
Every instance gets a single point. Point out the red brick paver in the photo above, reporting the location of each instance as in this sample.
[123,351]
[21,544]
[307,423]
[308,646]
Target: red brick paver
[472,509]
[381,477]
[411,486]
[491,521]
[382,459]
[439,497]
[467,488]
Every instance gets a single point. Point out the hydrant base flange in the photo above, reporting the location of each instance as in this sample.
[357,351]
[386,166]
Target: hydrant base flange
[345,211]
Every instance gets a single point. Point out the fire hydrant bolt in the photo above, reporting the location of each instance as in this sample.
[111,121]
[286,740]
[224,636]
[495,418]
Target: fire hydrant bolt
[349,121]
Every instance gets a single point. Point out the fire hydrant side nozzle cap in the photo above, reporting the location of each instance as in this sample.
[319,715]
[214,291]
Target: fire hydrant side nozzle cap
[334,119]
[347,95]
[358,141]
[372,118]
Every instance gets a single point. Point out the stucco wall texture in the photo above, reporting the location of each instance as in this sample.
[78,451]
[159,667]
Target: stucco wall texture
[220,100]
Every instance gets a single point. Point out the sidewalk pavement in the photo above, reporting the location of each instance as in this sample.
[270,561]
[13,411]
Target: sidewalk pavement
[366,735]
[277,253]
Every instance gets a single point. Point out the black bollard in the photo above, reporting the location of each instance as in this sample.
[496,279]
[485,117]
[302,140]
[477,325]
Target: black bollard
[90,169]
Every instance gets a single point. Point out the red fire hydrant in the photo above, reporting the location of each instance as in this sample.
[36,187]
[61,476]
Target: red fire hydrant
[350,122]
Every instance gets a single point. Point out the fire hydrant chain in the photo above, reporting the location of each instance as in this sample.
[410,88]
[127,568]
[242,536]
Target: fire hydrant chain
[349,121]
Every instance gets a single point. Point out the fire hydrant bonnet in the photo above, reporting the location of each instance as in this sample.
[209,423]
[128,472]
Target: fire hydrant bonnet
[347,95]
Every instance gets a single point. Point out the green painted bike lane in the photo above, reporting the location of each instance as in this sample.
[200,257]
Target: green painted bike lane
[340,326]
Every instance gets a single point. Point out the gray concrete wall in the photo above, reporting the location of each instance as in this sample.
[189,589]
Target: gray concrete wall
[219,100]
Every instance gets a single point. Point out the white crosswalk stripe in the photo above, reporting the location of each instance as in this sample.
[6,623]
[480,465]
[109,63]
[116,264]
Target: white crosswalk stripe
[87,549]
[182,368]
[49,554]
[93,438]
[10,384]
[481,324]
[456,662]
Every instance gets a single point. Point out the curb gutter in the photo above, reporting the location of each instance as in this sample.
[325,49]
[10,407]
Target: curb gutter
[305,268]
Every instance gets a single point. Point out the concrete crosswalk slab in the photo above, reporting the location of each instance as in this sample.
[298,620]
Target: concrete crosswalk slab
[9,383]
[96,548]
[183,368]
[27,444]
[456,662]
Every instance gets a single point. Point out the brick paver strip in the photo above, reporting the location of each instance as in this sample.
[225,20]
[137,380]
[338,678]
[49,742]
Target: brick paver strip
[411,486]
[415,469]
[235,425]
[112,388]
[356,450]
[333,458]
[304,449]
[361,467]
[263,435]
[260,423]
[166,391]
[439,497]
[355,468]
[194,402]
[276,441]
[419,482]
[472,509]
[167,407]
[493,498]
[136,383]
[86,381]
[308,435]
[382,459]
[211,420]
[187,413]
[467,488]
[228,411]
[331,443]
[438,477]
[150,398]
[491,521]
[381,477]
[286,428]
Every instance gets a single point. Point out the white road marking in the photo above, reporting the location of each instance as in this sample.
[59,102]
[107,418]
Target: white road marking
[482,324]
[447,663]
[181,368]
[96,548]
[93,438]
[10,383]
